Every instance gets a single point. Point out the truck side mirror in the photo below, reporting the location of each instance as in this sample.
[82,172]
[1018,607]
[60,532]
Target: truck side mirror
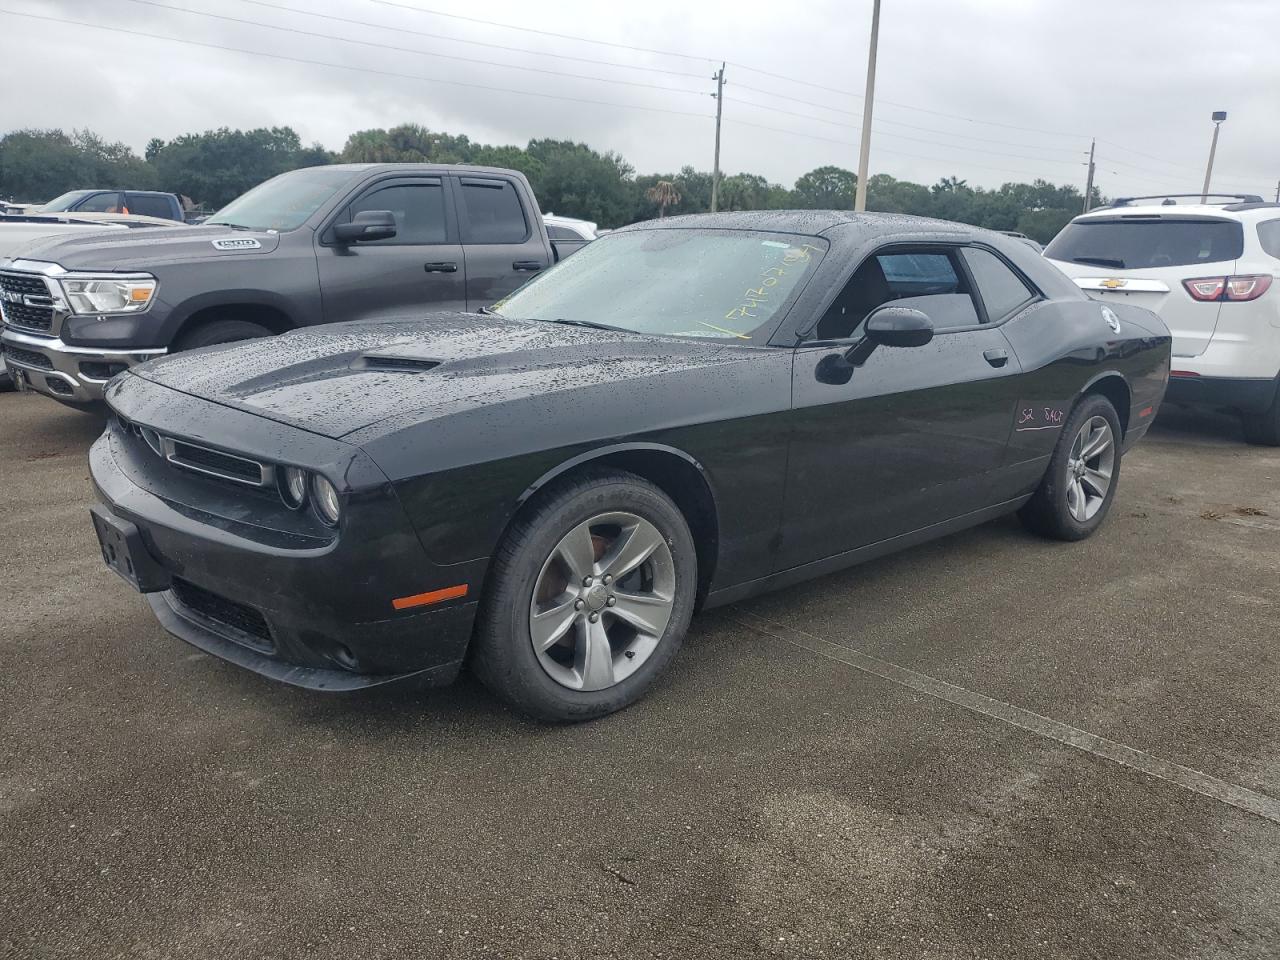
[366,225]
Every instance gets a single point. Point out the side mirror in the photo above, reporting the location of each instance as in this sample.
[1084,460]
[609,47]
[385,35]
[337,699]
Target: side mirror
[366,225]
[891,326]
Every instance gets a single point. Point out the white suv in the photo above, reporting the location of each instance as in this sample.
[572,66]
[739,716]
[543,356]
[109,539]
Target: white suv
[1208,269]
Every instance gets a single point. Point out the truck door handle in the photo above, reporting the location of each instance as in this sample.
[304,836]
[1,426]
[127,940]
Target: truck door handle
[444,266]
[532,265]
[996,357]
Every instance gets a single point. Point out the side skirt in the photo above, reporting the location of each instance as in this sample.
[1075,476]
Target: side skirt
[850,558]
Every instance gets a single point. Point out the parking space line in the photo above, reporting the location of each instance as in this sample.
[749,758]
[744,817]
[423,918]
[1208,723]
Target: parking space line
[1202,783]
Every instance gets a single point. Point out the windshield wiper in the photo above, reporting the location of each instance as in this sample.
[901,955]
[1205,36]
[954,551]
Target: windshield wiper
[1100,262]
[224,223]
[581,323]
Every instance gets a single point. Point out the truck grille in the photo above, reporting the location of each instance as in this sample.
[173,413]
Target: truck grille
[242,623]
[27,358]
[25,302]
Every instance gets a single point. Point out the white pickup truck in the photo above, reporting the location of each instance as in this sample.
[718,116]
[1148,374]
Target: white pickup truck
[17,231]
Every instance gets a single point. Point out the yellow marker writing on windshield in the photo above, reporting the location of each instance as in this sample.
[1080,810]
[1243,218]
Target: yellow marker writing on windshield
[732,333]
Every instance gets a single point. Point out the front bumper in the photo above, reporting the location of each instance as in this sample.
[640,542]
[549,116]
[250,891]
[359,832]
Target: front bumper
[1247,394]
[308,611]
[71,374]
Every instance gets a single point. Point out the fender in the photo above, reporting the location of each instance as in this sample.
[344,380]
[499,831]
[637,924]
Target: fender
[230,297]
[599,453]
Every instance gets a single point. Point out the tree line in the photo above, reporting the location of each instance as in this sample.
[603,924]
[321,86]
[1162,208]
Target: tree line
[571,179]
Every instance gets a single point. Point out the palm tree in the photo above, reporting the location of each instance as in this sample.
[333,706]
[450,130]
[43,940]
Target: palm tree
[664,194]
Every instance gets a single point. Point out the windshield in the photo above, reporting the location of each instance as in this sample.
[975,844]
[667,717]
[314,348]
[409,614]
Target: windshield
[1147,244]
[64,202]
[284,202]
[674,282]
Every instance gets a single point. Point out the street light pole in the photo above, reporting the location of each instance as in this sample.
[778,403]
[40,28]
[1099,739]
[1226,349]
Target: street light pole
[1088,183]
[1218,117]
[864,154]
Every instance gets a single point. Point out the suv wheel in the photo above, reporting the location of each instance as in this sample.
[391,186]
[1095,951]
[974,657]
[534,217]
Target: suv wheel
[1264,428]
[588,600]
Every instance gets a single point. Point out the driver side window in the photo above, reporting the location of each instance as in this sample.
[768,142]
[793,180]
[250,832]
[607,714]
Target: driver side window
[927,279]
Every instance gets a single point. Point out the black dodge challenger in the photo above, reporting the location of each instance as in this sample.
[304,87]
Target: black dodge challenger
[687,412]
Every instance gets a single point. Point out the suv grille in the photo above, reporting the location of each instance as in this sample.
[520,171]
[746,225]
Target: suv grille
[246,625]
[27,358]
[37,316]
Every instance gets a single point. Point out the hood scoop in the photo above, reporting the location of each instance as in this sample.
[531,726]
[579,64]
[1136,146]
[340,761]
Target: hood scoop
[394,364]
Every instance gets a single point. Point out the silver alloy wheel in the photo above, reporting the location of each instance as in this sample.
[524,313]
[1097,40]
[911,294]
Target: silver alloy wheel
[602,601]
[1089,468]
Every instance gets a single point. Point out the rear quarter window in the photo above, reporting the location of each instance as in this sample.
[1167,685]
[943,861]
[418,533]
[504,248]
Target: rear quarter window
[1269,237]
[1145,244]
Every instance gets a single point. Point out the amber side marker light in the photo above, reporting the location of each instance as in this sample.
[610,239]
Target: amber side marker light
[433,596]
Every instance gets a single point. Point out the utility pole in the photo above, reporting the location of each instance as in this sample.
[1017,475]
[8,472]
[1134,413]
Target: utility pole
[864,153]
[718,77]
[1088,183]
[1278,191]
[1218,117]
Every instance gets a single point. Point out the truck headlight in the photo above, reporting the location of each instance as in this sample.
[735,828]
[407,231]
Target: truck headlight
[108,294]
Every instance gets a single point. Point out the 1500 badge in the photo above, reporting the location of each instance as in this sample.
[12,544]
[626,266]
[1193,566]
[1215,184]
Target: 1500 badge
[237,243]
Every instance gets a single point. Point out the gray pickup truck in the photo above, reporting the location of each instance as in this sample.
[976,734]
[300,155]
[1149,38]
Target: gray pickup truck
[318,245]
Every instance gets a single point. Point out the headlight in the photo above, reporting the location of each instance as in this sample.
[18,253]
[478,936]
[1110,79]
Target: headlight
[293,487]
[325,499]
[108,294]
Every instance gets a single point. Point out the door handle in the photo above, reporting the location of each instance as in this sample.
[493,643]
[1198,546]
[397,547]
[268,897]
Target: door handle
[444,266]
[996,357]
[531,265]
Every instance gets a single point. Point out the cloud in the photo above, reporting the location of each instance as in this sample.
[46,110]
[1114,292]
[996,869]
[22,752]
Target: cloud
[987,91]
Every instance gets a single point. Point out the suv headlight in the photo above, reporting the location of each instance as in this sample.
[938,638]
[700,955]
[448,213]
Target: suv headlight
[96,295]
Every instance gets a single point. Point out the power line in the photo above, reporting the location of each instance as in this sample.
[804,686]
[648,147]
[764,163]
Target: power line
[344,66]
[475,43]
[428,53]
[544,33]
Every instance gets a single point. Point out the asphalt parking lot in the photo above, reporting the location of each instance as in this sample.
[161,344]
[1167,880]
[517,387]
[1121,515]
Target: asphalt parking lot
[990,746]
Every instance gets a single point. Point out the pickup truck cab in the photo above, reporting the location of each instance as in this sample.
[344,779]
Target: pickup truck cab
[147,203]
[316,245]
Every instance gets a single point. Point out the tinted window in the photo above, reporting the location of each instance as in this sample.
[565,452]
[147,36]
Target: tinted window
[492,213]
[101,203]
[65,201]
[561,233]
[925,281]
[1001,289]
[417,207]
[1147,244]
[149,206]
[1269,237]
[687,283]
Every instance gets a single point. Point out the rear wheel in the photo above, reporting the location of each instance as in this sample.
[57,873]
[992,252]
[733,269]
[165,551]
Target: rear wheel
[589,599]
[1077,489]
[220,331]
[1264,428]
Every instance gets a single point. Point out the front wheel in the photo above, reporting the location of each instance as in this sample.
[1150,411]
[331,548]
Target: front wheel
[1077,489]
[589,598]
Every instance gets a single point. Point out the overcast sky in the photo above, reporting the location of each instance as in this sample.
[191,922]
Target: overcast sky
[987,90]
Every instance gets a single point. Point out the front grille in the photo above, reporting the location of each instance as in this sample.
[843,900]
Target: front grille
[215,462]
[242,623]
[27,358]
[29,316]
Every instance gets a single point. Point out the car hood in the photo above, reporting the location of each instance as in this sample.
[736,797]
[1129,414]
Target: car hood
[144,248]
[18,235]
[339,378]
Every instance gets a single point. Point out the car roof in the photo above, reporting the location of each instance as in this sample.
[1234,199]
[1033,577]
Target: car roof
[410,165]
[1219,211]
[812,222]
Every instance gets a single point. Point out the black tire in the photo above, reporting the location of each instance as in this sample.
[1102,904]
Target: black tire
[502,654]
[1047,512]
[220,331]
[1263,428]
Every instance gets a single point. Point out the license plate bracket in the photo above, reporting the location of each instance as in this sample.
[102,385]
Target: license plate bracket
[126,554]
